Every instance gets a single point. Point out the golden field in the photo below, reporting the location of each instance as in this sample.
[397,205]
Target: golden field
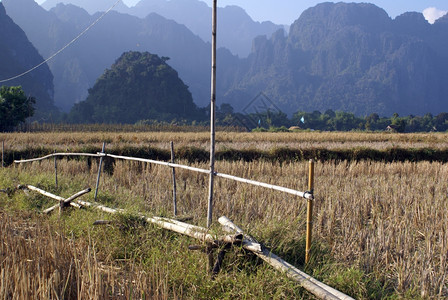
[240,140]
[380,229]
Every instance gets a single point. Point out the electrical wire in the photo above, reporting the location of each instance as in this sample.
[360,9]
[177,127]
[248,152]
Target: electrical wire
[63,48]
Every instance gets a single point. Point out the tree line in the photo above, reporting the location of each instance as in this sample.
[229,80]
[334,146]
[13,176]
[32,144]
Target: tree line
[331,121]
[16,107]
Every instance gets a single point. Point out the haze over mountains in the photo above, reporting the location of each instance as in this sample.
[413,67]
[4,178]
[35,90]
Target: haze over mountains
[350,57]
[195,15]
[17,55]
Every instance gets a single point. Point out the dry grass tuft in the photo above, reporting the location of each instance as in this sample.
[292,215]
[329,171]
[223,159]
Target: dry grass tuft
[38,262]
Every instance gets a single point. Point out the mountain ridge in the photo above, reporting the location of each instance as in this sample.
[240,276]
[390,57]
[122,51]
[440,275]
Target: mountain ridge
[19,55]
[195,15]
[338,56]
[77,68]
[350,57]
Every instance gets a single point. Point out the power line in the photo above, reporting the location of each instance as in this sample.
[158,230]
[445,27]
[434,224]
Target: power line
[63,48]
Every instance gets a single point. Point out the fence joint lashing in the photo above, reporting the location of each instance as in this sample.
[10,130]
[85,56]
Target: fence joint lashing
[308,195]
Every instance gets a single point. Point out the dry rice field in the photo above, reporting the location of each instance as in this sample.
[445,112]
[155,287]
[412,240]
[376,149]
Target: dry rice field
[375,224]
[240,140]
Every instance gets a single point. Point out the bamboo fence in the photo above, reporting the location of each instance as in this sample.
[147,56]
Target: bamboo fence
[308,195]
[236,237]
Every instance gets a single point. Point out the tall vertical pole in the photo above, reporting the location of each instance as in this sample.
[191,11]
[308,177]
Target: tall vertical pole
[3,154]
[212,116]
[99,171]
[174,180]
[55,170]
[309,214]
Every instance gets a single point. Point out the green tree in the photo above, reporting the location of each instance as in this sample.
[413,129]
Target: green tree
[138,86]
[398,123]
[440,121]
[15,107]
[371,121]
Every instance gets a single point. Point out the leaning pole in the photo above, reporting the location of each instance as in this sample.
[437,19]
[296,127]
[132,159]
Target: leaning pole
[212,116]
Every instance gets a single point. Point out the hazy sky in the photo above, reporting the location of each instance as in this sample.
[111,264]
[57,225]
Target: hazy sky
[287,11]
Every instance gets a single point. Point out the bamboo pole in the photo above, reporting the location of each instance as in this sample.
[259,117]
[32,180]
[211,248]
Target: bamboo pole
[309,213]
[3,154]
[49,195]
[306,195]
[56,154]
[77,195]
[174,180]
[196,232]
[40,191]
[212,116]
[249,242]
[99,207]
[99,171]
[64,202]
[314,286]
[156,162]
[56,170]
[311,284]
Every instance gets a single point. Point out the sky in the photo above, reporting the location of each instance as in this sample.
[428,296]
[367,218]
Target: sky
[287,11]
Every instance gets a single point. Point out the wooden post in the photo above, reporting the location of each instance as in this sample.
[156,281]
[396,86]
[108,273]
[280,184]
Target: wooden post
[55,170]
[212,116]
[61,208]
[174,180]
[309,214]
[99,171]
[3,154]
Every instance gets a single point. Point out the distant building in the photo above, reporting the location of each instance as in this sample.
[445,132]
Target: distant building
[392,128]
